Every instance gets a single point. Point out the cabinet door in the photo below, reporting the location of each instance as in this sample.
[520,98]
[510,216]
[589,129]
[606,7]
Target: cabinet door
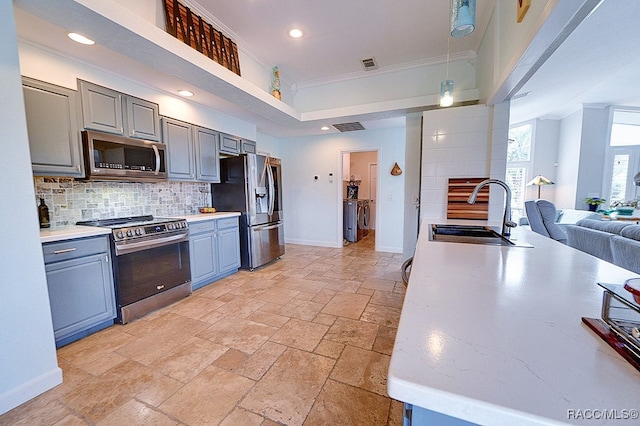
[247,147]
[229,248]
[143,119]
[207,157]
[229,144]
[179,139]
[204,258]
[81,294]
[101,108]
[52,125]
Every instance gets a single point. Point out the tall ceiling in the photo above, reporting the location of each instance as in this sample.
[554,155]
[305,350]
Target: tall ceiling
[338,34]
[597,63]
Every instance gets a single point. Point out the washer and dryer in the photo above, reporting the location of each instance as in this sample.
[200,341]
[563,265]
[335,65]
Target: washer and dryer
[356,219]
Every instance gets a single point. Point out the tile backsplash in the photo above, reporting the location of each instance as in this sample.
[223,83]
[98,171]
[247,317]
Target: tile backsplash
[70,201]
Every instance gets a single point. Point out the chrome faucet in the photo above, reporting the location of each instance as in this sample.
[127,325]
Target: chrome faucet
[506,220]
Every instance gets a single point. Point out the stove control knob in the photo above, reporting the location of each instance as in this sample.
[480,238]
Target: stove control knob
[138,231]
[170,226]
[130,233]
[120,234]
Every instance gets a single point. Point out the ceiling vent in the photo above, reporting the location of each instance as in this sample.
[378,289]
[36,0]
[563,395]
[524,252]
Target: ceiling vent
[369,64]
[348,127]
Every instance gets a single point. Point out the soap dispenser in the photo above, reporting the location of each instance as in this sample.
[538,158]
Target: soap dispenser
[43,214]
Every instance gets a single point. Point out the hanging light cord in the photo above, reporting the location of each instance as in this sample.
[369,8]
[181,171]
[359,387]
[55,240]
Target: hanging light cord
[447,67]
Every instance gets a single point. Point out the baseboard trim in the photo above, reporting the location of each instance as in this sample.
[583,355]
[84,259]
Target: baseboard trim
[314,243]
[389,249]
[29,390]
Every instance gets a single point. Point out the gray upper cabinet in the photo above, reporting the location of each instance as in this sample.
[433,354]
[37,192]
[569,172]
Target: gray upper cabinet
[178,136]
[207,156]
[109,111]
[143,119]
[52,124]
[101,108]
[247,147]
[229,145]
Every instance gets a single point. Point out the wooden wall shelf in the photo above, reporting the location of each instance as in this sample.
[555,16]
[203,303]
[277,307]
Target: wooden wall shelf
[458,192]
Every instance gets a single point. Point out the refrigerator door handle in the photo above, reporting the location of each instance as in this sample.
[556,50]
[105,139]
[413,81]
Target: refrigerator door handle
[271,190]
[266,228]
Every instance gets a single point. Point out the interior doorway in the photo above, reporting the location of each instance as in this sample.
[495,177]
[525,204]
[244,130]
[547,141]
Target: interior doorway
[373,192]
[359,193]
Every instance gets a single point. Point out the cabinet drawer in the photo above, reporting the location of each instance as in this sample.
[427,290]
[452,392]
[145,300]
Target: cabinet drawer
[230,222]
[199,227]
[70,249]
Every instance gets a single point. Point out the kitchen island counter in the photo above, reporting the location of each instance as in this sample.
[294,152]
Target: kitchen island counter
[493,335]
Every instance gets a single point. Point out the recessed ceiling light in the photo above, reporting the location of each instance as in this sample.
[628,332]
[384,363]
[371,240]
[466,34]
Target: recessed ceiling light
[295,33]
[324,128]
[79,38]
[185,93]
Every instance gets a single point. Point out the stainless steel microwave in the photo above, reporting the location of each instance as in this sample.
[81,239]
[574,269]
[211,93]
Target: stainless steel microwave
[113,157]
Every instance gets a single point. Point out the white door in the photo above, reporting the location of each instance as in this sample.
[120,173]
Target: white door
[373,186]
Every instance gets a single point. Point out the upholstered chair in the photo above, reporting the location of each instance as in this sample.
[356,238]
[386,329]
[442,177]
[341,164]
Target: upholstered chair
[542,215]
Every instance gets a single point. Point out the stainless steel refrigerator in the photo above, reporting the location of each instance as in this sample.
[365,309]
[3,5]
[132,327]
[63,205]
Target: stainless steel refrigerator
[251,185]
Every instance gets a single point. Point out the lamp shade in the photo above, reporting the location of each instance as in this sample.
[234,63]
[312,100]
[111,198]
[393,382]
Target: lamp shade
[463,17]
[539,181]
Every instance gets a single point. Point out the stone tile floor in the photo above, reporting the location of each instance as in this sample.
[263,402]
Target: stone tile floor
[303,341]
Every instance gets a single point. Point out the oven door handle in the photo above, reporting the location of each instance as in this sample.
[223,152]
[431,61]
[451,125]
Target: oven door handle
[145,245]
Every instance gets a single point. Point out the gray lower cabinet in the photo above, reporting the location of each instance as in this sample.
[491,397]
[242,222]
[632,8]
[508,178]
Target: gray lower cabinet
[214,248]
[80,284]
[418,416]
[107,110]
[52,125]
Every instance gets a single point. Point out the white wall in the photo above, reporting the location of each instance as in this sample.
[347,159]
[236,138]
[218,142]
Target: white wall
[545,157]
[28,364]
[318,204]
[459,142]
[411,172]
[568,161]
[593,149]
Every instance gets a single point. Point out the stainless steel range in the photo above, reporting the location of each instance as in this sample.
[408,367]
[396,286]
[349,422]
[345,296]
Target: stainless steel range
[150,262]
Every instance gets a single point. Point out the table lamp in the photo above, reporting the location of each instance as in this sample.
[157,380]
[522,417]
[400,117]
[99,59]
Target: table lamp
[539,181]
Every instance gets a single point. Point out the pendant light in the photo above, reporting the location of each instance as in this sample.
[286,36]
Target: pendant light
[446,85]
[463,17]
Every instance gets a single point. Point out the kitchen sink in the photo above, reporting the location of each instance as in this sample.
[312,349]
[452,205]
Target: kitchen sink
[470,234]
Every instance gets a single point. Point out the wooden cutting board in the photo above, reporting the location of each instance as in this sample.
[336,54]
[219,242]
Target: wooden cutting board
[458,192]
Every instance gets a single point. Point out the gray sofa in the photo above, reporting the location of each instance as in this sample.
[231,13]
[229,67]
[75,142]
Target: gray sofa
[615,242]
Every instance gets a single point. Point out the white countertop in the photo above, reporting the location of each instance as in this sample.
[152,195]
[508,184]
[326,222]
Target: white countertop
[208,216]
[493,335]
[70,232]
[76,231]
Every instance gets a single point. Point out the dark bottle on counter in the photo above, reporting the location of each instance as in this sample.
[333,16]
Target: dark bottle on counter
[43,214]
